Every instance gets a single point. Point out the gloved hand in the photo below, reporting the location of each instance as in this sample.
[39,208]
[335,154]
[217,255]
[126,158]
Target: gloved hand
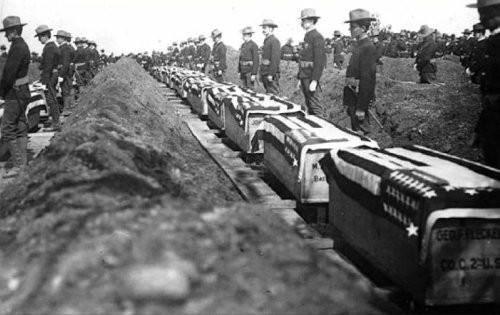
[269,78]
[313,85]
[219,72]
[252,78]
[360,114]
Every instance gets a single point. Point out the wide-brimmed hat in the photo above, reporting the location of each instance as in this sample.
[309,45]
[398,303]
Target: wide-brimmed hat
[174,44]
[63,34]
[337,33]
[425,31]
[359,15]
[483,3]
[269,22]
[42,29]
[467,32]
[478,28]
[216,33]
[91,42]
[247,30]
[10,22]
[202,37]
[84,40]
[308,14]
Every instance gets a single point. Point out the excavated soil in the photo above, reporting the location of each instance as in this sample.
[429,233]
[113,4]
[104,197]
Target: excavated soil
[125,213]
[441,117]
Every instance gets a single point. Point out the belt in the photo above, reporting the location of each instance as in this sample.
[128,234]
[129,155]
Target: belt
[246,63]
[22,81]
[306,64]
[265,62]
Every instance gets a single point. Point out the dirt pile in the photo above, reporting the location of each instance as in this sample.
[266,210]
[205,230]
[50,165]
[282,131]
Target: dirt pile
[125,213]
[441,116]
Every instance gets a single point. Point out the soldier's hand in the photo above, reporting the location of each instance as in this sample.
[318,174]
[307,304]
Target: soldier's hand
[415,67]
[252,78]
[360,114]
[313,85]
[219,72]
[269,78]
[298,85]
[351,82]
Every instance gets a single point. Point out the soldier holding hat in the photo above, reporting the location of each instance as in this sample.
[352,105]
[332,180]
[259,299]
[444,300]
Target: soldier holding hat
[66,66]
[424,62]
[270,61]
[15,94]
[219,56]
[49,77]
[203,54]
[488,130]
[312,61]
[248,64]
[359,93]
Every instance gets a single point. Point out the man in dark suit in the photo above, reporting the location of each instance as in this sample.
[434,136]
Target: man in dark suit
[361,71]
[219,56]
[270,61]
[312,61]
[424,63]
[49,75]
[15,94]
[488,130]
[66,66]
[248,63]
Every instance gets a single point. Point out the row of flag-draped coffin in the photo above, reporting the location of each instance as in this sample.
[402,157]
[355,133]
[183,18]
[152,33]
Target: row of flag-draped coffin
[430,221]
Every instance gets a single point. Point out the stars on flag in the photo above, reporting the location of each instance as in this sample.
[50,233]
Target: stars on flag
[412,230]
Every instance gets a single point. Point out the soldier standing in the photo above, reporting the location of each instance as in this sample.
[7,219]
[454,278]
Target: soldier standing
[15,94]
[270,62]
[65,67]
[191,53]
[203,52]
[248,64]
[219,56]
[476,59]
[380,48]
[80,61]
[424,62]
[49,76]
[338,49]
[487,130]
[312,61]
[287,51]
[93,56]
[175,54]
[361,71]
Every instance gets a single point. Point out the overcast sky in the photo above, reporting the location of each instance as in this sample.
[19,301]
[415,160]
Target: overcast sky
[123,26]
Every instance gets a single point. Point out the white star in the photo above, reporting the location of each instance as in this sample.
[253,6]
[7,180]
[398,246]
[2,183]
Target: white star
[471,191]
[430,194]
[295,162]
[412,230]
[449,188]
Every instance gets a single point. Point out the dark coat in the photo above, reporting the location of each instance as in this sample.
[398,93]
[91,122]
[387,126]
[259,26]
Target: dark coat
[219,55]
[270,54]
[249,52]
[425,54]
[67,56]
[203,53]
[80,55]
[314,51]
[51,56]
[16,67]
[362,66]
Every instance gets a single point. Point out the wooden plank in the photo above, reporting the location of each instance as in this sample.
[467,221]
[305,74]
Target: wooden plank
[320,243]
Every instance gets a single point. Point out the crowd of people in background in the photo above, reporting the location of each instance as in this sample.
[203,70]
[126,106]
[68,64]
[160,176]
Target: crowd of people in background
[61,64]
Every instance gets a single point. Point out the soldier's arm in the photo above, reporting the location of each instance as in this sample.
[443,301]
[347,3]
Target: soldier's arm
[319,58]
[223,65]
[14,59]
[275,57]
[255,57]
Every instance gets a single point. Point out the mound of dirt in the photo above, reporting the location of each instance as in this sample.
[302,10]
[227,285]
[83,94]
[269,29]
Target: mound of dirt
[440,117]
[125,213]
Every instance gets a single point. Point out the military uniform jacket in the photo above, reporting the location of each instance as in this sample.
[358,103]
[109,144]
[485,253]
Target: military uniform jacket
[191,52]
[50,61]
[338,47]
[249,52]
[314,51]
[490,83]
[219,55]
[426,52]
[94,58]
[80,55]
[67,57]
[362,66]
[287,52]
[16,67]
[477,61]
[203,53]
[380,48]
[270,62]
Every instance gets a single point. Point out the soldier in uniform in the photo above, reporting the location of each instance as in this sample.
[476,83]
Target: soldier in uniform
[248,63]
[312,61]
[80,62]
[15,94]
[93,58]
[66,66]
[270,61]
[287,50]
[218,56]
[49,75]
[466,48]
[424,62]
[203,53]
[361,71]
[183,54]
[191,53]
[487,130]
[175,53]
[476,63]
[338,49]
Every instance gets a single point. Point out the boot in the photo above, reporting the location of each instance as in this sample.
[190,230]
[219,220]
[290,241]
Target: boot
[22,144]
[14,152]
[67,105]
